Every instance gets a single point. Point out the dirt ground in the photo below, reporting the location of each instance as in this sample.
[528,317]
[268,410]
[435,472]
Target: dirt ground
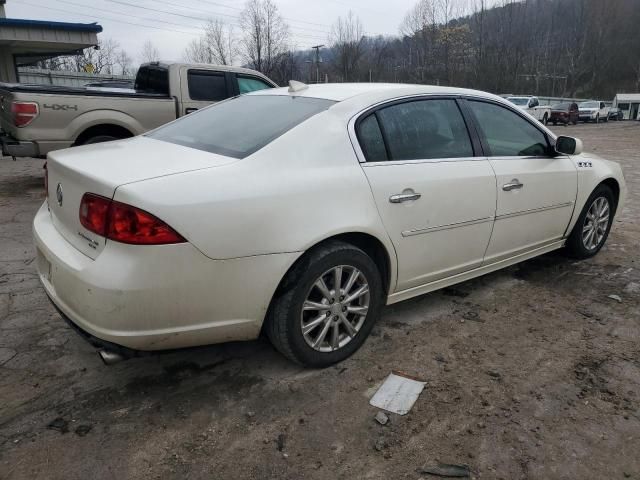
[533,373]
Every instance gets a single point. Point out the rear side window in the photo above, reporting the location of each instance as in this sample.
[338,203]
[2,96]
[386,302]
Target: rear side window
[251,84]
[152,79]
[371,140]
[242,125]
[507,133]
[207,86]
[421,129]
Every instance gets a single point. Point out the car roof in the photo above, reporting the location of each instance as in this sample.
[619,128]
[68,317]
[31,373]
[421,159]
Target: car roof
[364,94]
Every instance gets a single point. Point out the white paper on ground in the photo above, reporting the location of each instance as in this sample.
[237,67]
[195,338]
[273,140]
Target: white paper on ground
[398,393]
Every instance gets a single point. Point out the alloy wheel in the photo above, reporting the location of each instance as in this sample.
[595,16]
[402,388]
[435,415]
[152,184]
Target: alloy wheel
[596,223]
[335,308]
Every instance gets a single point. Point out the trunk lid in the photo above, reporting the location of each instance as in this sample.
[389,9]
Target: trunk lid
[101,168]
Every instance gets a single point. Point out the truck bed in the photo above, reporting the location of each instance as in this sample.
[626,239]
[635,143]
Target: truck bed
[83,91]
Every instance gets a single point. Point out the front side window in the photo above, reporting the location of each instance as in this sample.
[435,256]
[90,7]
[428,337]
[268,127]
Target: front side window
[507,133]
[416,130]
[251,84]
[240,126]
[206,86]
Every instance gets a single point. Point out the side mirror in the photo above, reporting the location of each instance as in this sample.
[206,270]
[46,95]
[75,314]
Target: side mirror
[568,145]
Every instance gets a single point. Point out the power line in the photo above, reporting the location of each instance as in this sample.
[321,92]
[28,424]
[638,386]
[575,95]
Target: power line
[128,14]
[93,17]
[286,18]
[122,2]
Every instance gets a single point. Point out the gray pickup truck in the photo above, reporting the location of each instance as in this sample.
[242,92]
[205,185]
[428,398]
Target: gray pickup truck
[37,119]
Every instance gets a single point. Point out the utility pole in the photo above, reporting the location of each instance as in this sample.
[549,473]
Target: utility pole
[317,49]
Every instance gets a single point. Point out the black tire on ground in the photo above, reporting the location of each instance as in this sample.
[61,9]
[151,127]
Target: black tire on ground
[284,321]
[575,122]
[575,246]
[597,120]
[545,119]
[99,139]
[555,123]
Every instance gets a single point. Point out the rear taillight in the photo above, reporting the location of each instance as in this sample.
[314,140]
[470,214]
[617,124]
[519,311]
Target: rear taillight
[124,223]
[24,113]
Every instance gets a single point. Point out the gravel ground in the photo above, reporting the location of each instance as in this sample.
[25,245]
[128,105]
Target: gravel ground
[533,373]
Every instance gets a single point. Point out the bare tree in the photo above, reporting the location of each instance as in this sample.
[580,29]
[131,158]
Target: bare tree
[265,35]
[346,40]
[217,45]
[124,63]
[149,52]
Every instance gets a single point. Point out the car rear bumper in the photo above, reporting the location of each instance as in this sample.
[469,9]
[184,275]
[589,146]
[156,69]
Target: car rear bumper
[25,148]
[17,148]
[156,297]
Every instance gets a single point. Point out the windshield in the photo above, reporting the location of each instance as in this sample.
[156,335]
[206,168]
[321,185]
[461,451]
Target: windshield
[589,105]
[519,100]
[241,126]
[561,106]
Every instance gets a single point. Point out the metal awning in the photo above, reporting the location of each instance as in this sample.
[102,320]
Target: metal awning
[23,42]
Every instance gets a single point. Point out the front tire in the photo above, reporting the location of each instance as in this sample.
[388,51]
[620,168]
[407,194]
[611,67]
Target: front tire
[593,225]
[545,119]
[326,306]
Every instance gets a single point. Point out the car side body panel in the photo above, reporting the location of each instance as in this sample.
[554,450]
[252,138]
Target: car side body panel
[275,201]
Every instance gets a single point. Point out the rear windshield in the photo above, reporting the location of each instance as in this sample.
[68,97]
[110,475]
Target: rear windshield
[152,79]
[561,106]
[242,125]
[589,105]
[519,100]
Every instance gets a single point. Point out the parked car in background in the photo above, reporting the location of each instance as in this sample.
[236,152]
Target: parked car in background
[593,111]
[565,113]
[38,119]
[532,106]
[616,114]
[301,212]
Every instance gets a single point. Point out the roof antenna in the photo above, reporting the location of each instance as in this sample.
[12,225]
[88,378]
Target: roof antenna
[295,86]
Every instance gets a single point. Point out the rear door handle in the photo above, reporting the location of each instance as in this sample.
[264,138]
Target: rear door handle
[512,185]
[190,110]
[404,197]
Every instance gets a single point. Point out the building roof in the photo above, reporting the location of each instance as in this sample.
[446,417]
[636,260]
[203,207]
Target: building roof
[74,27]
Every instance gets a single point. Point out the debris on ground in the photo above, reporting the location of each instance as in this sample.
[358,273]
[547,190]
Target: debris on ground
[381,418]
[472,316]
[446,470]
[59,424]
[398,393]
[632,287]
[281,441]
[615,297]
[380,444]
[82,430]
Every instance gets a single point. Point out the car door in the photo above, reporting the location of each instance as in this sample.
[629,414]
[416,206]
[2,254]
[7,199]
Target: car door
[201,88]
[536,189]
[435,197]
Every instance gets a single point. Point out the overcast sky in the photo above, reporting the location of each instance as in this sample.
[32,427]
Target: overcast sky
[171,24]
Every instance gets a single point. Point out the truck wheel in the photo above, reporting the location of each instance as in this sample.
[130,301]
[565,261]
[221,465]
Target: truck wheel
[597,120]
[545,119]
[99,139]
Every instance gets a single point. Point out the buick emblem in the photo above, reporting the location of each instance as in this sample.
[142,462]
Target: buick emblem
[59,196]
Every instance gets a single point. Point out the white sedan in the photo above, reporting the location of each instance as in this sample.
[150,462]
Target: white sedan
[301,212]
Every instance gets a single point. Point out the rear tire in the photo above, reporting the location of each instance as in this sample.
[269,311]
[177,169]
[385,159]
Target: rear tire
[591,229]
[545,119]
[99,139]
[306,320]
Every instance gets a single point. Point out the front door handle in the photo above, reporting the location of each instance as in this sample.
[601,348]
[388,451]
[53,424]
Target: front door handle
[404,197]
[512,185]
